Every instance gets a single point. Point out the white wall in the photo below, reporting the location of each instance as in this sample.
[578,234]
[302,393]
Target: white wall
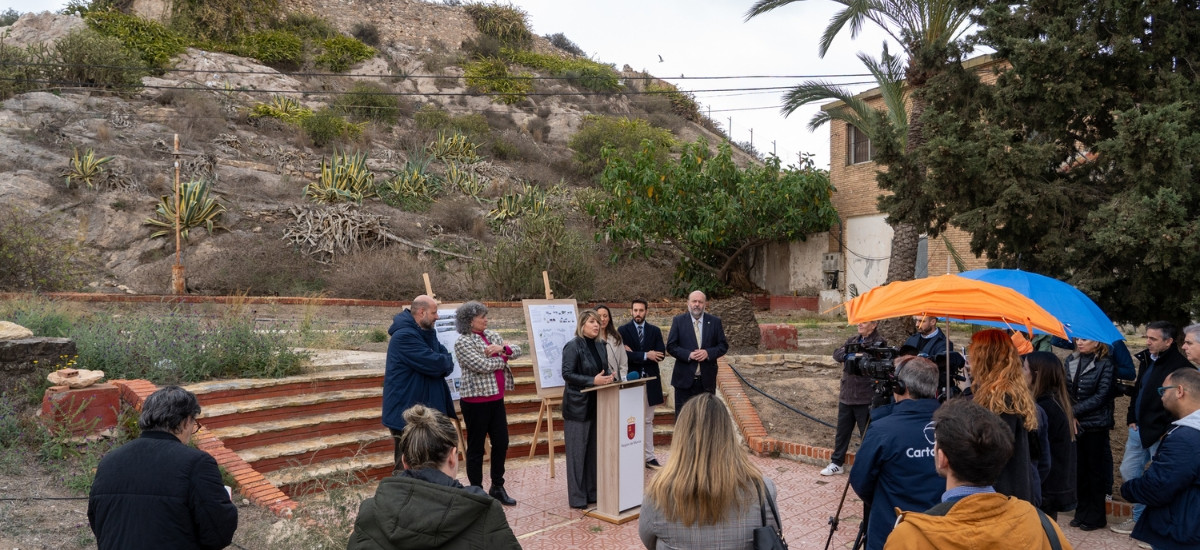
[784,268]
[868,246]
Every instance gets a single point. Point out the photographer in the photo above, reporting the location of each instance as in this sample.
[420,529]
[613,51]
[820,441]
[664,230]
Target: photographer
[854,399]
[894,466]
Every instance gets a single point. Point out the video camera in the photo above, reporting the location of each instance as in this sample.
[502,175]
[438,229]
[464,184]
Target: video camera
[873,361]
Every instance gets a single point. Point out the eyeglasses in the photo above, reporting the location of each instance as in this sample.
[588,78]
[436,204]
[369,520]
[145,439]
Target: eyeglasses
[1163,390]
[196,421]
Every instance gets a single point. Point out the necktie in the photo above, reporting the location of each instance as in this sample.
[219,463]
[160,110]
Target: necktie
[696,325]
[641,335]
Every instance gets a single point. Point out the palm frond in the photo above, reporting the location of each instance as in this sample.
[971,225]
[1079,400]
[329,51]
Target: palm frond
[763,6]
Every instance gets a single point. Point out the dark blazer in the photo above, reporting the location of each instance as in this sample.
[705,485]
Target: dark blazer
[155,492]
[416,371]
[653,342]
[1145,407]
[682,341]
[579,370]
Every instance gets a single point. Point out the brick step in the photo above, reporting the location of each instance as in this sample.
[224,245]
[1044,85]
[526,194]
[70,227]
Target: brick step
[291,406]
[243,436]
[303,480]
[314,450]
[230,391]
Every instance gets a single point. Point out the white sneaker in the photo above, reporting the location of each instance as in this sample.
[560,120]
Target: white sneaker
[832,470]
[1124,528]
[1144,545]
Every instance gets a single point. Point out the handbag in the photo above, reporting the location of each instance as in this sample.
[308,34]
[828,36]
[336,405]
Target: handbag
[767,537]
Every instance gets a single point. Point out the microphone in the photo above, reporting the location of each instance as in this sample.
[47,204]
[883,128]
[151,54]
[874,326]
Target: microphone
[632,375]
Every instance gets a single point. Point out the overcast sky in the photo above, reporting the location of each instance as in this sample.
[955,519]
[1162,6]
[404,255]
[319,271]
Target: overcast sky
[705,38]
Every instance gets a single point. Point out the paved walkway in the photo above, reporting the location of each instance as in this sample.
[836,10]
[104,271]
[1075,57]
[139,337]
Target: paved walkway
[543,520]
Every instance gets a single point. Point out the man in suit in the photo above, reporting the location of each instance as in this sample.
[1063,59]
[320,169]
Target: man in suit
[696,340]
[645,348]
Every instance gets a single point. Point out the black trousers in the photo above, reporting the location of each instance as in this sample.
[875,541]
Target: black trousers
[848,416]
[1094,467]
[683,394]
[396,447]
[485,420]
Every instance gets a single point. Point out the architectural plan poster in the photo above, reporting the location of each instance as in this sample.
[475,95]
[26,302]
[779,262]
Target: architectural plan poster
[448,336]
[550,324]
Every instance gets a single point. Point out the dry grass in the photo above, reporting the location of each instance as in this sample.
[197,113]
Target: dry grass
[260,263]
[394,273]
[455,214]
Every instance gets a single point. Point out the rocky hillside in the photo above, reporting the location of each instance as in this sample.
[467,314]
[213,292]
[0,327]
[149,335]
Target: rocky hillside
[271,238]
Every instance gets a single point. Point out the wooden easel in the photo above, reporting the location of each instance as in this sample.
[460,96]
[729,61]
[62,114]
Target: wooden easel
[458,427]
[550,399]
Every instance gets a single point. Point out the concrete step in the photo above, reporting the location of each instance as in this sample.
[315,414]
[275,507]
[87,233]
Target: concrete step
[242,436]
[228,391]
[314,450]
[291,406]
[302,480]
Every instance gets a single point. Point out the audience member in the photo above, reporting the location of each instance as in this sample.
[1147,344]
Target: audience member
[998,384]
[416,369]
[1049,387]
[972,447]
[1089,380]
[709,494]
[929,340]
[1170,488]
[894,468]
[158,492]
[421,505]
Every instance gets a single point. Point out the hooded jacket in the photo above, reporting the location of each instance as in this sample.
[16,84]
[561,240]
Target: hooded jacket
[984,520]
[426,509]
[894,469]
[1170,489]
[417,367]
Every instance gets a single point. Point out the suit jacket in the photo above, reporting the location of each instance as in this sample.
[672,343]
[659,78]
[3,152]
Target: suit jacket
[579,370]
[1146,408]
[681,341]
[652,341]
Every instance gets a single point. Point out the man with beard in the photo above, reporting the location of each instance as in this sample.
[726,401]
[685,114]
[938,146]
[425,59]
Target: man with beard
[417,367]
[645,348]
[696,340]
[929,340]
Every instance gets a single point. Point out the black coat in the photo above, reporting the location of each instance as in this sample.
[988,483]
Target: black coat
[155,492]
[1145,406]
[681,342]
[1090,391]
[1019,475]
[579,370]
[652,341]
[1058,489]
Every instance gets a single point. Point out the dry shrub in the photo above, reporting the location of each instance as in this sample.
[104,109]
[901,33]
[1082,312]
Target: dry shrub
[667,121]
[394,273]
[500,120]
[631,278]
[199,117]
[260,263]
[521,146]
[539,129]
[455,215]
[539,173]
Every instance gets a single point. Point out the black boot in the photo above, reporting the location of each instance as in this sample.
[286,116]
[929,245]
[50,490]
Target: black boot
[499,494]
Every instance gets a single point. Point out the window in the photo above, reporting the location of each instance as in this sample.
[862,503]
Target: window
[858,146]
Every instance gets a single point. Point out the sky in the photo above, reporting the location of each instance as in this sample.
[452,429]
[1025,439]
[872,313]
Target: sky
[707,38]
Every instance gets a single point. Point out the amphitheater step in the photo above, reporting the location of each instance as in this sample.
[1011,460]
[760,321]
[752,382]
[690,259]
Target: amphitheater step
[291,406]
[230,391]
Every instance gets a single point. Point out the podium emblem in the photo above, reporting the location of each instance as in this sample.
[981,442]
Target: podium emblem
[631,428]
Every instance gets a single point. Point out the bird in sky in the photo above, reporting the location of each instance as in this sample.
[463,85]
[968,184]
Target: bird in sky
[660,59]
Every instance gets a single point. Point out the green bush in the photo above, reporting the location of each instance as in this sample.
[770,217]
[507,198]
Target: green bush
[504,23]
[44,317]
[18,74]
[482,47]
[222,21]
[340,52]
[8,17]
[682,103]
[31,257]
[431,117]
[581,72]
[345,178]
[513,268]
[367,101]
[309,27]
[178,348]
[560,41]
[326,126]
[623,135]
[491,76]
[89,59]
[155,44]
[276,48]
[283,108]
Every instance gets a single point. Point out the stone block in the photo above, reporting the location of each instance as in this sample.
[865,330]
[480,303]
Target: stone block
[82,411]
[776,336]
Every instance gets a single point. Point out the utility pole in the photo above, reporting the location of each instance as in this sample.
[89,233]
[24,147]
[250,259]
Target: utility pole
[730,132]
[774,150]
[752,138]
[178,282]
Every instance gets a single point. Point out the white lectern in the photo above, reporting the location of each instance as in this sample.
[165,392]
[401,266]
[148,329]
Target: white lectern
[620,444]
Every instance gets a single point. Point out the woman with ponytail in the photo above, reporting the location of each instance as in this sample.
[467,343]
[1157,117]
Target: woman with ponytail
[423,505]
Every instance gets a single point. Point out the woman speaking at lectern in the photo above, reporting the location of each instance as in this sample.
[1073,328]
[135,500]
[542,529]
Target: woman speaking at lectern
[584,365]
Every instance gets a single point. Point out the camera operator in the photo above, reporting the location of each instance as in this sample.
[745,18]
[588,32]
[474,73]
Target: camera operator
[894,466]
[854,399]
[929,340]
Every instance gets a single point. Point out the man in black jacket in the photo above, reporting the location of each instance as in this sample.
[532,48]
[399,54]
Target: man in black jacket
[156,491]
[645,348]
[1147,419]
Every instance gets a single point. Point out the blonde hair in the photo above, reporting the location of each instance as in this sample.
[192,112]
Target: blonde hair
[999,380]
[583,319]
[708,474]
[427,439]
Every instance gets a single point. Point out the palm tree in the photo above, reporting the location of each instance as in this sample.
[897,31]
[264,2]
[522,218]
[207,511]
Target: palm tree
[927,30]
[888,73]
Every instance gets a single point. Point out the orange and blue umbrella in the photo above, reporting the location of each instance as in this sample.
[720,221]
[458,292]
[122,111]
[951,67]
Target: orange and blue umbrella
[1081,317]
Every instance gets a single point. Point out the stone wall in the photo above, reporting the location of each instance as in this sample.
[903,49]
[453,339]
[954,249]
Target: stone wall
[737,317]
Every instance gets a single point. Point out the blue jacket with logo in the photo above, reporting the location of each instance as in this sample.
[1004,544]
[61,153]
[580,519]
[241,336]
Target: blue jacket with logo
[1170,489]
[894,466]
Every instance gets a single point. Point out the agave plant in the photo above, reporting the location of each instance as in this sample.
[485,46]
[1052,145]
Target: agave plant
[86,167]
[463,180]
[196,209]
[530,200]
[453,147]
[283,108]
[344,177]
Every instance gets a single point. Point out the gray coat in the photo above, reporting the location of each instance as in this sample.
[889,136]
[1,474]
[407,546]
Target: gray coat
[735,533]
